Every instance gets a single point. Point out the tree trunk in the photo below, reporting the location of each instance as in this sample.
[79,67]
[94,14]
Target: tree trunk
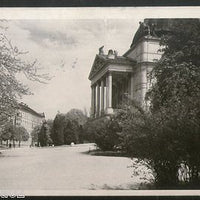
[19,143]
[6,142]
[32,142]
[14,143]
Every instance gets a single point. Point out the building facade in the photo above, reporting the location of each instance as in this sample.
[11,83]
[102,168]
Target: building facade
[28,118]
[114,78]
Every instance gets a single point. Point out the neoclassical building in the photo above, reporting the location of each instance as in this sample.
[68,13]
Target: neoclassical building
[115,77]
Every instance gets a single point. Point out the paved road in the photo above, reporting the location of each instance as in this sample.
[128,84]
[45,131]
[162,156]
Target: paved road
[62,168]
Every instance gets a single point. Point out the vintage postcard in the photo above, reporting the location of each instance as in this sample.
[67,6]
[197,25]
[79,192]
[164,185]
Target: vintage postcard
[99,101]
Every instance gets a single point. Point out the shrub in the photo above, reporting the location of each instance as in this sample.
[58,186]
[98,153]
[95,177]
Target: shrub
[104,132]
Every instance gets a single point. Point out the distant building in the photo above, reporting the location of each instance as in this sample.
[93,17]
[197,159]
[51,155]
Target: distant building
[115,77]
[28,118]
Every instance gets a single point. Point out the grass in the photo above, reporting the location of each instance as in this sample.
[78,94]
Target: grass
[98,152]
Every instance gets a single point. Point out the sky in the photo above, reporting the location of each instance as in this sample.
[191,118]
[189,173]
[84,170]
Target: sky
[64,42]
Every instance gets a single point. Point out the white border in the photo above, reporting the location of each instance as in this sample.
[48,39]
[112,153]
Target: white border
[135,13]
[100,13]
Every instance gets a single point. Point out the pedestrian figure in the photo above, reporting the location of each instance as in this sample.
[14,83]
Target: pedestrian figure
[10,145]
[183,173]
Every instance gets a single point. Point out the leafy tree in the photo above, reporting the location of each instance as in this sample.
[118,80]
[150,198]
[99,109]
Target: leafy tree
[21,134]
[50,125]
[169,134]
[7,132]
[176,92]
[71,132]
[11,65]
[58,129]
[34,135]
[77,115]
[14,133]
[78,119]
[44,135]
[67,128]
[88,131]
[148,138]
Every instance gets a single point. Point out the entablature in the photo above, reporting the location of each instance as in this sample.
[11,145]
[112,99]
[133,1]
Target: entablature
[111,68]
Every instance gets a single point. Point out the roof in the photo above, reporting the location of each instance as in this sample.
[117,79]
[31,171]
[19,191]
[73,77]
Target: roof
[154,27]
[102,61]
[25,107]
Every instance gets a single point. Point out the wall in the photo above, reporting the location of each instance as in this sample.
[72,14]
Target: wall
[146,54]
[28,120]
[146,50]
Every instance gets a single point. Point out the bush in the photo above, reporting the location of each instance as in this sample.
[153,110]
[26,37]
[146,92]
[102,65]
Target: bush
[104,132]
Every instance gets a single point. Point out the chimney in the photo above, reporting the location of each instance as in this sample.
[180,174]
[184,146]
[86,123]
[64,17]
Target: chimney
[111,54]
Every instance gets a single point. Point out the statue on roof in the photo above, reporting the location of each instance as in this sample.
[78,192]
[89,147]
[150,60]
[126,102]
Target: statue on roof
[115,53]
[101,52]
[152,30]
[145,28]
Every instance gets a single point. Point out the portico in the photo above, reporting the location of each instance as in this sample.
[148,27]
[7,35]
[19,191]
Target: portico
[102,96]
[110,83]
[114,78]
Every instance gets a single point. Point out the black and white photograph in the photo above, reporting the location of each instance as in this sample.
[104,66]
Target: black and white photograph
[99,101]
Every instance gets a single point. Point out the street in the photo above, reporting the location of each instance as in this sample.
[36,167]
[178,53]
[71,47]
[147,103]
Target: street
[63,168]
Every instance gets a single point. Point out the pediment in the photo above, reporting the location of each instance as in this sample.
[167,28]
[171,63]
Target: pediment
[98,64]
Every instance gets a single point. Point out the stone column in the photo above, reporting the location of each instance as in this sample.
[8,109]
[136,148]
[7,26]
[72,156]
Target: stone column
[98,100]
[102,97]
[92,102]
[105,95]
[143,85]
[109,93]
[132,85]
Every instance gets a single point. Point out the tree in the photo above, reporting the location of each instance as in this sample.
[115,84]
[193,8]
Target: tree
[58,129]
[21,134]
[50,125]
[7,132]
[34,135]
[14,133]
[71,132]
[44,135]
[169,134]
[11,65]
[77,115]
[78,119]
[176,92]
[88,131]
[68,128]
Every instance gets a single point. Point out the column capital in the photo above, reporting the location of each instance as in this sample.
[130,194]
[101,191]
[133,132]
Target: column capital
[110,73]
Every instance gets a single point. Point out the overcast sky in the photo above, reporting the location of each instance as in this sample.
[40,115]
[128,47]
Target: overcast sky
[66,47]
